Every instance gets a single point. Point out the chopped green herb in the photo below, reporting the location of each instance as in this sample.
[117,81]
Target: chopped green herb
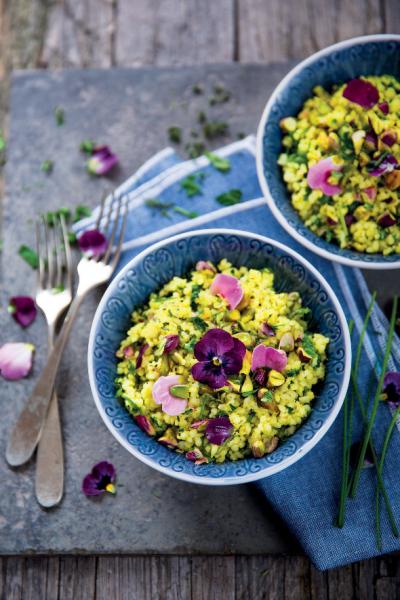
[47,166]
[2,143]
[214,129]
[196,289]
[230,198]
[175,134]
[202,117]
[195,149]
[71,237]
[221,164]
[58,289]
[220,95]
[59,115]
[81,212]
[163,207]
[199,323]
[197,89]
[87,146]
[292,372]
[190,214]
[240,135]
[29,256]
[191,186]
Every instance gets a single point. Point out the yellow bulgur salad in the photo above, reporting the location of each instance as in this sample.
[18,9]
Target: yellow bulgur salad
[341,163]
[218,365]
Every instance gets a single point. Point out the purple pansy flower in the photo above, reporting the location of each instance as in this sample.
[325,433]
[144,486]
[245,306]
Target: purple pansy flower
[171,343]
[16,360]
[92,243]
[391,387]
[101,161]
[361,92]
[219,355]
[386,165]
[22,309]
[101,479]
[218,430]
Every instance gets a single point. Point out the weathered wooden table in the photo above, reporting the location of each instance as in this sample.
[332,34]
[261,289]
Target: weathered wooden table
[105,33]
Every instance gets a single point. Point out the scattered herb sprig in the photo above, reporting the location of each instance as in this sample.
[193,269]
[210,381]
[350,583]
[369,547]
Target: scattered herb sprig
[29,256]
[218,162]
[230,198]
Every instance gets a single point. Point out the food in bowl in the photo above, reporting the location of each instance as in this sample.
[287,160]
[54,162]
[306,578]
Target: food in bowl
[218,365]
[341,163]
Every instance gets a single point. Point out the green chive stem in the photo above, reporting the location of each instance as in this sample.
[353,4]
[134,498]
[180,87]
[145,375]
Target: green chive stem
[379,471]
[378,392]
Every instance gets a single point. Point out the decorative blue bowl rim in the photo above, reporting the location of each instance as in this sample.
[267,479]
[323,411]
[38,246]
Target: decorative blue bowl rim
[145,273]
[300,78]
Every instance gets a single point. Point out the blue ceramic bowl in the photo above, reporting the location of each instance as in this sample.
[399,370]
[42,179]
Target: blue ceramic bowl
[176,256]
[369,55]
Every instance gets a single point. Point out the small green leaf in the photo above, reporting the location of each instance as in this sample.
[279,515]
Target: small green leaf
[29,256]
[47,166]
[190,214]
[157,204]
[175,134]
[87,146]
[221,164]
[197,89]
[180,391]
[71,238]
[58,289]
[199,323]
[59,115]
[81,212]
[191,186]
[214,129]
[230,198]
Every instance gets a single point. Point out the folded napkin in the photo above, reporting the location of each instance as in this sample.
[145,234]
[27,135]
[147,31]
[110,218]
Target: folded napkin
[306,494]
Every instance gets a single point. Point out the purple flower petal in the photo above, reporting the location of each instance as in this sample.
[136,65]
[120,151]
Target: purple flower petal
[267,329]
[204,265]
[92,243]
[370,192]
[384,107]
[371,140]
[196,456]
[101,161]
[161,393]
[214,343]
[386,220]
[232,361]
[229,288]
[198,424]
[204,373]
[140,355]
[172,342]
[361,92]
[261,377]
[22,309]
[145,424]
[386,165]
[389,138]
[218,430]
[391,387]
[16,360]
[219,355]
[266,356]
[349,219]
[128,352]
[101,479]
[318,175]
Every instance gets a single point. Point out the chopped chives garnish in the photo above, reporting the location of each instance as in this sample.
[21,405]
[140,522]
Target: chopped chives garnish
[374,409]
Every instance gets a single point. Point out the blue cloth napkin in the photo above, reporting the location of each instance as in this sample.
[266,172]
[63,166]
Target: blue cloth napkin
[306,494]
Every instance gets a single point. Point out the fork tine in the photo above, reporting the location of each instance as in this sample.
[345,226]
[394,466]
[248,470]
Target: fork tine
[113,231]
[101,211]
[120,238]
[40,270]
[107,224]
[49,254]
[58,253]
[67,253]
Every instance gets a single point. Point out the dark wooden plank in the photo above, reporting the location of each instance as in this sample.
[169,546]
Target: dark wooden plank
[364,576]
[277,30]
[297,578]
[77,578]
[170,577]
[174,32]
[318,584]
[14,574]
[213,578]
[391,12]
[41,578]
[123,578]
[386,588]
[340,583]
[259,577]
[79,33]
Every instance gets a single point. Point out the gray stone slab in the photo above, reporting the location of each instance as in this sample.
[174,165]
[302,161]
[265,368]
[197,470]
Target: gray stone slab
[130,110]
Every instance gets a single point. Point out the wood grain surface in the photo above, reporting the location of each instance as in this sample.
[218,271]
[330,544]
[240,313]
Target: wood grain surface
[104,33]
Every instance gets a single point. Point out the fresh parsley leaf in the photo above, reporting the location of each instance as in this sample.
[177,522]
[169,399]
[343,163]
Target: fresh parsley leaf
[191,186]
[175,134]
[230,198]
[190,214]
[196,289]
[29,256]
[195,149]
[157,204]
[197,89]
[214,129]
[308,346]
[59,115]
[199,323]
[81,212]
[47,166]
[87,146]
[2,143]
[71,237]
[221,164]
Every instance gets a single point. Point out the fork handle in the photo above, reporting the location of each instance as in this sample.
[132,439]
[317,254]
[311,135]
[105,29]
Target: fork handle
[26,433]
[49,479]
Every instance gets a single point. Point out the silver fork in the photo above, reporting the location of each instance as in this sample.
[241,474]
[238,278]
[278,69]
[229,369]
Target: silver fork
[92,272]
[53,296]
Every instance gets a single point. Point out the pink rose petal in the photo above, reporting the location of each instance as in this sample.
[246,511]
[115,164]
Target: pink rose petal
[204,265]
[229,288]
[266,356]
[370,192]
[16,360]
[170,404]
[319,174]
[361,92]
